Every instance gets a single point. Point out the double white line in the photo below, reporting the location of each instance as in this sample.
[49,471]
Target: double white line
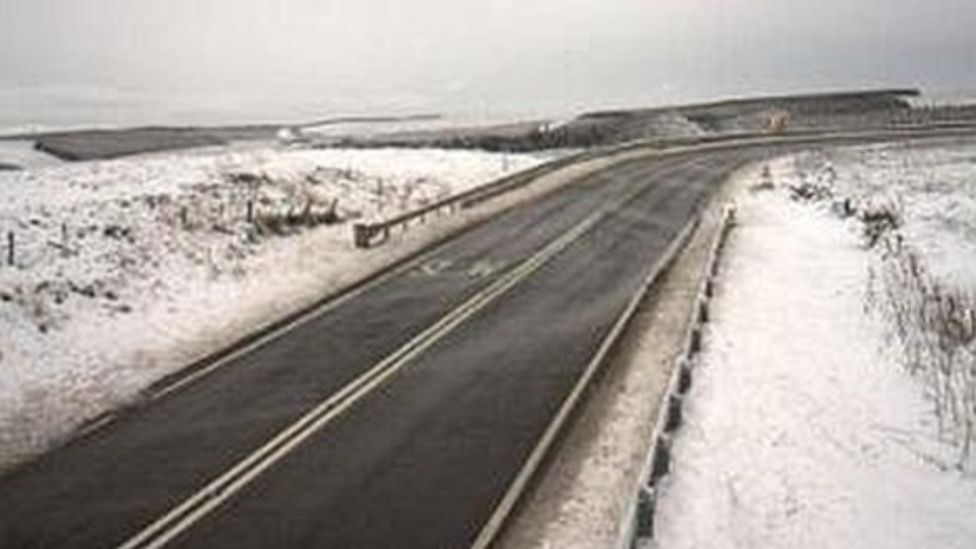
[219,490]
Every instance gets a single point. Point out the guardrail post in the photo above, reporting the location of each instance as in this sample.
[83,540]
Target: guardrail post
[684,379]
[361,233]
[694,342]
[662,458]
[646,502]
[674,413]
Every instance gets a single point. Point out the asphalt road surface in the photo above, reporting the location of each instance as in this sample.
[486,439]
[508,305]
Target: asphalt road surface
[398,416]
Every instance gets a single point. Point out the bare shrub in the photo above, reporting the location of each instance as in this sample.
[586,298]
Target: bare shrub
[878,220]
[935,326]
[932,323]
[807,191]
[817,179]
[283,222]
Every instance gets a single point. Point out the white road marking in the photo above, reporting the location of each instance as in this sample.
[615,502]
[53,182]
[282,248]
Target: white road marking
[483,269]
[434,267]
[96,424]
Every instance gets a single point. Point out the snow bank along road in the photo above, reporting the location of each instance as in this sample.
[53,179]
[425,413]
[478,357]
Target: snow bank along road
[396,416]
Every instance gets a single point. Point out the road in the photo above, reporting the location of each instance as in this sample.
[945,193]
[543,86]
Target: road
[397,416]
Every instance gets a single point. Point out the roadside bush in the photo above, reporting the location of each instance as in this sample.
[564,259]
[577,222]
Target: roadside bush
[283,222]
[810,191]
[879,220]
[935,326]
[931,323]
[817,180]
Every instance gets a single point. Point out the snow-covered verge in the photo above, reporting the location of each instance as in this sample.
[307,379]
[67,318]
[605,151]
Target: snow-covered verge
[931,186]
[127,270]
[803,428]
[916,209]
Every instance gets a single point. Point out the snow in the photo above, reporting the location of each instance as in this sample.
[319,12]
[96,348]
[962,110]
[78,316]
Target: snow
[932,186]
[922,276]
[127,270]
[802,428]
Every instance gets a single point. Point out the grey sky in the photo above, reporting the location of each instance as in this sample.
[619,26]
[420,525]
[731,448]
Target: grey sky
[505,54]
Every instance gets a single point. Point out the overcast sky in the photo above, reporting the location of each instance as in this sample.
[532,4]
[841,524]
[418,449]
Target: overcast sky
[504,54]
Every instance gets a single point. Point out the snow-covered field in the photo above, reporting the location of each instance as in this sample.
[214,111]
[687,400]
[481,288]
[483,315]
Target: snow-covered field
[916,208]
[126,270]
[806,427]
[934,187]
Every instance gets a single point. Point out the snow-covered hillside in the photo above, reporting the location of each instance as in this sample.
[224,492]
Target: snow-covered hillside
[127,270]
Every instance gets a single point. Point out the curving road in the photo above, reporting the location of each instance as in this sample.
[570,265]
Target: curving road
[397,416]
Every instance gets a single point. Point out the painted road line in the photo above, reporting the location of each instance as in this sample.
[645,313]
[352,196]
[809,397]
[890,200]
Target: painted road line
[183,516]
[96,423]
